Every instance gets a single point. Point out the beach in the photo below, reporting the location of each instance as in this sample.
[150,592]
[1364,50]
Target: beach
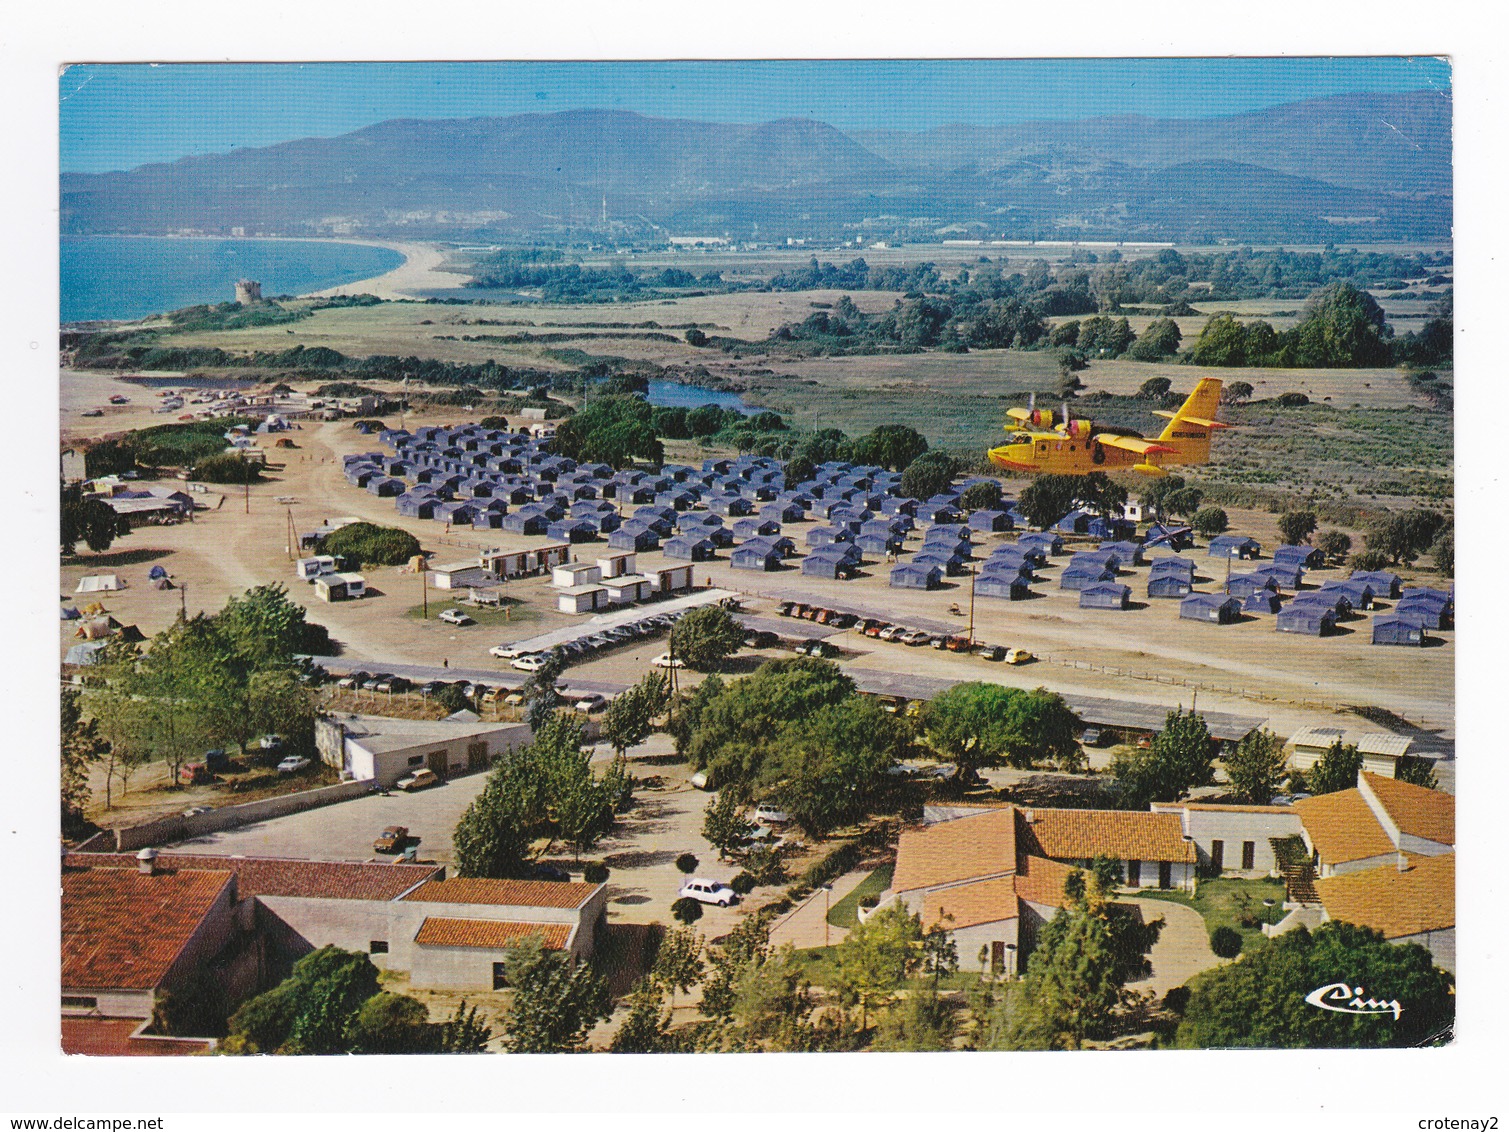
[409,280]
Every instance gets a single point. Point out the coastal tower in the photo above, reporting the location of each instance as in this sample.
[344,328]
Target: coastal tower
[248,291]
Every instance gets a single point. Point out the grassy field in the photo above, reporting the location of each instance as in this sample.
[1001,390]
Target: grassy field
[1226,901]
[512,613]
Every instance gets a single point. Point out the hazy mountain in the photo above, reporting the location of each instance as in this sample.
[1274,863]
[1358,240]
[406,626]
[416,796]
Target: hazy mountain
[1354,167]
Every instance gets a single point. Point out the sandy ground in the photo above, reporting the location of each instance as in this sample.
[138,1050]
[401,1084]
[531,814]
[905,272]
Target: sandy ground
[408,280]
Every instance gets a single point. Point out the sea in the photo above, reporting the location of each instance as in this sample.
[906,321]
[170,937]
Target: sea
[129,277]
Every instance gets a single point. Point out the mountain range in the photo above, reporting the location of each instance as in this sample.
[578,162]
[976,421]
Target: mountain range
[1357,167]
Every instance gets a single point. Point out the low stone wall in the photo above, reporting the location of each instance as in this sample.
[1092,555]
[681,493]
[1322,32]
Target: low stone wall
[179,828]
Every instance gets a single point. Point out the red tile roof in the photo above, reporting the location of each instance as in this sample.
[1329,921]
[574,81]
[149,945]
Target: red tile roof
[1416,810]
[111,1037]
[1420,899]
[520,893]
[968,905]
[123,929]
[959,849]
[290,876]
[1122,835]
[1041,881]
[492,934]
[1343,827]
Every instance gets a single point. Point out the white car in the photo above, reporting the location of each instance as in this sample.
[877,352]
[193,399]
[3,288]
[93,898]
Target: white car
[292,765]
[766,814]
[591,702]
[893,632]
[531,663]
[709,892]
[666,660]
[506,652]
[455,617]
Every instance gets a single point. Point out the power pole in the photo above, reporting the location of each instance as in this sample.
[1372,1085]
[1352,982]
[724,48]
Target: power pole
[424,583]
[972,604]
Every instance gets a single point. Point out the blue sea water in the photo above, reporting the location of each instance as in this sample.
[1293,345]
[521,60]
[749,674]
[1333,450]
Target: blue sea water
[125,277]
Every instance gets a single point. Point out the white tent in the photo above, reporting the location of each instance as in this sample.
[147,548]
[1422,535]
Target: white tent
[98,583]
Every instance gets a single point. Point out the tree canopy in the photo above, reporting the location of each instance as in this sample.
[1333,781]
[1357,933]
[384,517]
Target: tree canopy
[1048,498]
[1177,760]
[978,724]
[704,637]
[1259,1001]
[1256,768]
[91,521]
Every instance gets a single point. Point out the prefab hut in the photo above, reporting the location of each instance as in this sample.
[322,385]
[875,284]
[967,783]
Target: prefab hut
[1263,601]
[1384,583]
[1308,620]
[1234,546]
[1013,587]
[1081,577]
[1170,583]
[1399,629]
[911,576]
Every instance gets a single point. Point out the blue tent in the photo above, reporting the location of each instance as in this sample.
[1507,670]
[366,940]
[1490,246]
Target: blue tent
[691,547]
[754,557]
[1105,595]
[1082,577]
[1360,594]
[157,571]
[1046,541]
[1285,576]
[914,577]
[1262,601]
[1172,565]
[67,613]
[948,563]
[1384,583]
[1243,586]
[1128,553]
[639,539]
[1221,609]
[990,521]
[1234,546]
[1399,629]
[1305,557]
[827,564]
[1310,620]
[1169,584]
[1012,587]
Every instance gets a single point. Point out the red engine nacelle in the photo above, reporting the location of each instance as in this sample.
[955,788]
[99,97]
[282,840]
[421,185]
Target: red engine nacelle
[1078,430]
[1043,418]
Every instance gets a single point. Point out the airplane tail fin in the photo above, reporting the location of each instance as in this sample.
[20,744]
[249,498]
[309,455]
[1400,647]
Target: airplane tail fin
[1201,406]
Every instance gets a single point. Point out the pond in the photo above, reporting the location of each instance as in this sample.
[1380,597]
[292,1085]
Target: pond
[675,394]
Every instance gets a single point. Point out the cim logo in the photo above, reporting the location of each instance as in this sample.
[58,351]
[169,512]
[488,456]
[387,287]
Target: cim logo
[1346,999]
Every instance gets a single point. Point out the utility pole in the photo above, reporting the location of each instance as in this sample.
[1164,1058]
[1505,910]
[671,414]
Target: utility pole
[424,583]
[246,490]
[972,573]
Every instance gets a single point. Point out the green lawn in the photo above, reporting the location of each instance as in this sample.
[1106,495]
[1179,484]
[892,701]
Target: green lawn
[845,914]
[1226,900]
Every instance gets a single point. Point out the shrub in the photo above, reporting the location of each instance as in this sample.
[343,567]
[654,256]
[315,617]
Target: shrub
[1367,560]
[1226,942]
[368,544]
[687,863]
[1176,1000]
[687,910]
[1291,400]
[1210,521]
[227,467]
[834,865]
[765,866]
[594,872]
[743,883]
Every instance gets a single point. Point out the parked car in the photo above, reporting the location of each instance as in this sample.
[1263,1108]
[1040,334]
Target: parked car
[591,703]
[666,660]
[506,652]
[430,687]
[532,663]
[393,684]
[371,683]
[1091,737]
[353,680]
[958,644]
[891,632]
[293,764]
[761,639]
[875,628]
[394,839]
[1018,656]
[842,620]
[194,774]
[915,637]
[513,699]
[493,695]
[785,608]
[993,652]
[817,648]
[768,814]
[418,780]
[709,892]
[271,742]
[195,811]
[546,871]
[456,617]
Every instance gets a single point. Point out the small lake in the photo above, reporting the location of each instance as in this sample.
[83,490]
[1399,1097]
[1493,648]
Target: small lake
[673,394]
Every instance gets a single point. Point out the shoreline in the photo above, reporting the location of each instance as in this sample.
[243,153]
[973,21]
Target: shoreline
[417,273]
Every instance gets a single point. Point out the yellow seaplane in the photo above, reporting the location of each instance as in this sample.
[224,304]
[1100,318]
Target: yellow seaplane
[1075,447]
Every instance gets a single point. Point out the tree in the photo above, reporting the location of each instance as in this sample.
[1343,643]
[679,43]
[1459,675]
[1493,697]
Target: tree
[1048,498]
[724,825]
[368,543]
[892,446]
[554,1004]
[80,748]
[678,962]
[928,475]
[1160,340]
[687,910]
[1154,389]
[1256,767]
[91,521]
[982,496]
[771,1004]
[631,717]
[695,337]
[615,429]
[392,1023]
[1260,1001]
[463,1032]
[1172,495]
[1369,560]
[647,1026]
[1443,552]
[1334,544]
[1236,392]
[1405,536]
[704,637]
[831,766]
[876,957]
[1075,981]
[313,1011]
[453,698]
[1210,521]
[1417,772]
[1340,326]
[541,696]
[1178,760]
[979,724]
[1335,770]
[1296,526]
[264,626]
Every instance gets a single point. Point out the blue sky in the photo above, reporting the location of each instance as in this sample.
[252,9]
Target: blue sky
[119,116]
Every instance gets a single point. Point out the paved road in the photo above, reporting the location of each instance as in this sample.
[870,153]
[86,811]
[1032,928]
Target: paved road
[1183,947]
[808,925]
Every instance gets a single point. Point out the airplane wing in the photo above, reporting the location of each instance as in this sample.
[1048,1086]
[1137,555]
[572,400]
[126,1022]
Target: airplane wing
[1022,415]
[1132,444]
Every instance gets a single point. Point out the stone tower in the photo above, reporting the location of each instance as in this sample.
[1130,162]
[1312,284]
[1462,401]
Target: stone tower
[248,291]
